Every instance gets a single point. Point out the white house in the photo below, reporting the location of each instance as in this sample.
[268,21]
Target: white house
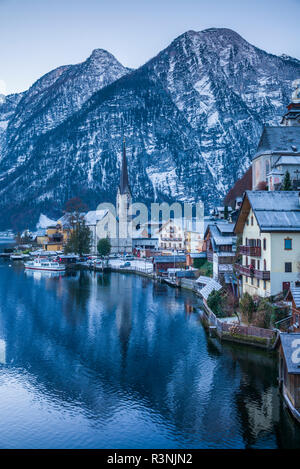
[269,223]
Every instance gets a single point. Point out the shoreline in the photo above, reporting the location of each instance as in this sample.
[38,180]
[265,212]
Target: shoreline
[208,319]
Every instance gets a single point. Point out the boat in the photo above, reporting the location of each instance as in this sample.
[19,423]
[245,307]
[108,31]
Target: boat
[17,256]
[44,265]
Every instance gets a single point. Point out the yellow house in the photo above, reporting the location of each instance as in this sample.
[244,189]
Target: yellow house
[55,237]
[269,223]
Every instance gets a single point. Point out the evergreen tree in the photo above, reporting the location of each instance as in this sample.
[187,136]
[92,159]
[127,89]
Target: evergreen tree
[104,247]
[287,183]
[80,239]
[247,308]
[226,213]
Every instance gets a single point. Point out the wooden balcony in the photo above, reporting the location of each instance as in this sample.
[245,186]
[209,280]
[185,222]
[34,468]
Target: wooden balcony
[254,251]
[260,274]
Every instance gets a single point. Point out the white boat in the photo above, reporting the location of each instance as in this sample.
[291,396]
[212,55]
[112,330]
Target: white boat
[17,256]
[45,265]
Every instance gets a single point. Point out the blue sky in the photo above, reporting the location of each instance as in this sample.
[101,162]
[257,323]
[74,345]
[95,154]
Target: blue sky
[39,35]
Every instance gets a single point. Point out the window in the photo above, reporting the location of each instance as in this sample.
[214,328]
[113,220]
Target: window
[258,282]
[288,267]
[247,222]
[265,284]
[258,264]
[265,264]
[265,244]
[251,221]
[251,280]
[288,244]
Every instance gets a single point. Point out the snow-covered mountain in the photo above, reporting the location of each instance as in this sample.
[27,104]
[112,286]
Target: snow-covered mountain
[192,117]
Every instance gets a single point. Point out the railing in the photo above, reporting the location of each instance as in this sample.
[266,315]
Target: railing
[171,239]
[250,250]
[260,274]
[225,329]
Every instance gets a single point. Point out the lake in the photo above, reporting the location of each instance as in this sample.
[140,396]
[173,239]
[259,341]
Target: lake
[118,361]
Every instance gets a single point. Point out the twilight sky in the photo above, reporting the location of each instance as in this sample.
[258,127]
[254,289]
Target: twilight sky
[39,35]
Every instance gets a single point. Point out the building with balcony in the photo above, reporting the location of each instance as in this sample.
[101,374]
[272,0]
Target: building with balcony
[171,235]
[220,246]
[269,224]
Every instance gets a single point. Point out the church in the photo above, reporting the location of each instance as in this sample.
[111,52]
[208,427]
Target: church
[279,150]
[105,222]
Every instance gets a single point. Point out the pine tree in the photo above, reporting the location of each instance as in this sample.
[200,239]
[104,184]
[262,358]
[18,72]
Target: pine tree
[287,183]
[104,247]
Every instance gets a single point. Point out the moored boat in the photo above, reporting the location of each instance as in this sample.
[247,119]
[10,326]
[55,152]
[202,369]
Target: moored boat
[44,265]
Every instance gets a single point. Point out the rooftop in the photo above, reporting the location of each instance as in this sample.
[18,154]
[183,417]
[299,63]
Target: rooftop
[291,349]
[274,210]
[168,259]
[280,139]
[209,287]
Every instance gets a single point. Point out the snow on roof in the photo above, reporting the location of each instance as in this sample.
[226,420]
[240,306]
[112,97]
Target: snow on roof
[209,287]
[279,139]
[92,217]
[203,279]
[276,210]
[290,345]
[218,238]
[288,160]
[45,222]
[169,259]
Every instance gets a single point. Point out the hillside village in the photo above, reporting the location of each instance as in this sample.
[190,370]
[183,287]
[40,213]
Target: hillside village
[243,259]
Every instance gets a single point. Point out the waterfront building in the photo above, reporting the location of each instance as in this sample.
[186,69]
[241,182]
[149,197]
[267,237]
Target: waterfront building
[220,246]
[289,371]
[54,237]
[161,264]
[269,224]
[293,297]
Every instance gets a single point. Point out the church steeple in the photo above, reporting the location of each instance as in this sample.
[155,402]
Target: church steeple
[124,186]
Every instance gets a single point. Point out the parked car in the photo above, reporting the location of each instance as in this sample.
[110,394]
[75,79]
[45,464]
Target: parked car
[126,264]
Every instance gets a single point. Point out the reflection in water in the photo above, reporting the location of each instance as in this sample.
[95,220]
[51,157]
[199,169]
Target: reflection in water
[116,360]
[2,352]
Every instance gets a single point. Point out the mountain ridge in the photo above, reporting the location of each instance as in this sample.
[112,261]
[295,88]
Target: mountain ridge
[192,116]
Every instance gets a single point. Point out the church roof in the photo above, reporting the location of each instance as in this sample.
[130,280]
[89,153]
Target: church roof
[279,139]
[124,184]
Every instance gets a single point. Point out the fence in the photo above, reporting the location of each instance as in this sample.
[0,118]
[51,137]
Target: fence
[238,333]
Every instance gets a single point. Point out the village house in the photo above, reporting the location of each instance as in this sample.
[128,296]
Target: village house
[54,237]
[293,297]
[161,264]
[220,246]
[269,224]
[144,247]
[171,235]
[289,371]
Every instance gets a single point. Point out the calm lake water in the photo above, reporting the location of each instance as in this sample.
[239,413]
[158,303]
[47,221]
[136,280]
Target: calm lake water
[120,362]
